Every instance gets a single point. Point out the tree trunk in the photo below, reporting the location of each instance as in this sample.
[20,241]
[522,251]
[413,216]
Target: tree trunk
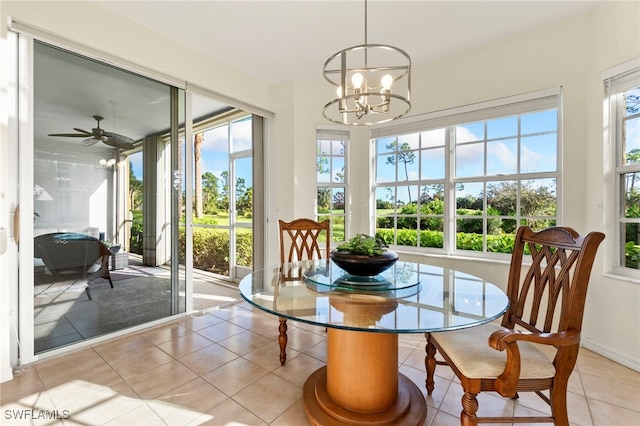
[197,151]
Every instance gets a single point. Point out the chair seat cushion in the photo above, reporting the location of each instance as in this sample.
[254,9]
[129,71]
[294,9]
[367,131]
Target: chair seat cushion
[469,350]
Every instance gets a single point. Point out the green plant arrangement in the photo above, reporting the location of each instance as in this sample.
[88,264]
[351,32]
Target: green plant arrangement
[365,245]
[363,255]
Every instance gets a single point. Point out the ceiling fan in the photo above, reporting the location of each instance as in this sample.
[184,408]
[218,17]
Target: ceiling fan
[99,135]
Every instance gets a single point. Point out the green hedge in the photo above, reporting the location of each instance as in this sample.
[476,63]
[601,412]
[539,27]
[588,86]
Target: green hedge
[464,241]
[211,249]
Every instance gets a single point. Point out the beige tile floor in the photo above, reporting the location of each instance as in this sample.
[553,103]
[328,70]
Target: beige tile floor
[221,368]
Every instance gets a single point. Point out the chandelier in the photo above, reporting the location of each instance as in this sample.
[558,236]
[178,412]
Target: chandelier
[373,83]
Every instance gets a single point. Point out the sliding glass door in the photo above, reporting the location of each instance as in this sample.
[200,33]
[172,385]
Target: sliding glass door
[107,241]
[105,200]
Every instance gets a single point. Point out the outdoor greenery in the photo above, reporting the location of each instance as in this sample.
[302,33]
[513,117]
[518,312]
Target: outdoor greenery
[331,198]
[215,195]
[631,206]
[211,249]
[428,216]
[464,241]
[135,238]
[496,214]
[632,211]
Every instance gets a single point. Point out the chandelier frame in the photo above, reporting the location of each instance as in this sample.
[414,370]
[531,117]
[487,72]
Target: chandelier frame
[368,98]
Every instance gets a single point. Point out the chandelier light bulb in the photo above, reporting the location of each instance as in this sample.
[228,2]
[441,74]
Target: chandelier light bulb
[357,80]
[339,91]
[102,162]
[386,82]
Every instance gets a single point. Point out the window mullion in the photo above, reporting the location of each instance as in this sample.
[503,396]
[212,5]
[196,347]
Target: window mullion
[449,191]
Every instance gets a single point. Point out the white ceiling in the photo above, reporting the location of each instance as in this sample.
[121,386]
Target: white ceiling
[280,41]
[274,41]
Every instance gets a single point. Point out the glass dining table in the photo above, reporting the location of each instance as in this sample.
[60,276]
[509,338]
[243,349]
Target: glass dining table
[364,316]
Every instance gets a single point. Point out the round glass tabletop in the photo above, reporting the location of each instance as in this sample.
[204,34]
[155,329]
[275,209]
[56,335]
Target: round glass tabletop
[407,298]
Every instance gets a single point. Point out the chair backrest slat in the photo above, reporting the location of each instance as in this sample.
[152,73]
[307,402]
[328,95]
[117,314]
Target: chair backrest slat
[548,278]
[303,237]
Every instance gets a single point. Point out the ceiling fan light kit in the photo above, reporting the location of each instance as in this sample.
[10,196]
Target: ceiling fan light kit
[373,83]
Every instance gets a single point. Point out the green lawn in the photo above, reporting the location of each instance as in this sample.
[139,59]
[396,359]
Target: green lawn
[220,219]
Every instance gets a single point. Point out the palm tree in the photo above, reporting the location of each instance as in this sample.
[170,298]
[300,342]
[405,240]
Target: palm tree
[403,154]
[197,155]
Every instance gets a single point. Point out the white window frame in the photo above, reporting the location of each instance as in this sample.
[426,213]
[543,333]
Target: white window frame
[616,82]
[448,119]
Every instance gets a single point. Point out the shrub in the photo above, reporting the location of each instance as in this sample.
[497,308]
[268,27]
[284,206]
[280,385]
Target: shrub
[135,237]
[211,249]
[407,237]
[205,220]
[385,235]
[468,241]
[501,243]
[431,239]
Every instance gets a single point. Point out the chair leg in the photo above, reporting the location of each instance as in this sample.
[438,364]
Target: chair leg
[558,402]
[104,269]
[430,363]
[282,339]
[468,415]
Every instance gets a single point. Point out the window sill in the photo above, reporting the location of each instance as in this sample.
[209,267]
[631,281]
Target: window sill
[501,260]
[621,277]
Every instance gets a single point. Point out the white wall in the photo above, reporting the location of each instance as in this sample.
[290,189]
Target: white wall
[571,54]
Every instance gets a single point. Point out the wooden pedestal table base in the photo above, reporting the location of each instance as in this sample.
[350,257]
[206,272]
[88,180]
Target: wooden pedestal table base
[361,383]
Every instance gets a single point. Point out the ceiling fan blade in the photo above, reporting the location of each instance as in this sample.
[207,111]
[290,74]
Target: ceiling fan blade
[118,141]
[89,141]
[97,134]
[70,135]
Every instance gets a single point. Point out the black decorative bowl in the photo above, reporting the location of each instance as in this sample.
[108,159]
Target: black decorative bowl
[362,265]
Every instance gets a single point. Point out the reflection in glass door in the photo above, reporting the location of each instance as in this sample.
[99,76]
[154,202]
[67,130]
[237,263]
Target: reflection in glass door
[104,214]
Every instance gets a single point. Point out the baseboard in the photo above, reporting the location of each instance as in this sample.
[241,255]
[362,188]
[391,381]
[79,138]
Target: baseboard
[6,374]
[632,363]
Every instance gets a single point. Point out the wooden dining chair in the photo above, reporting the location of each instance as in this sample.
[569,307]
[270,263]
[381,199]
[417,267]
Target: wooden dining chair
[547,287]
[301,239]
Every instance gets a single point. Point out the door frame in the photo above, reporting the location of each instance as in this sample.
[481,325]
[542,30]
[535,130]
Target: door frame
[22,112]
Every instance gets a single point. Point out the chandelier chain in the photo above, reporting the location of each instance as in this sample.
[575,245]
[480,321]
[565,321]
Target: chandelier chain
[365,22]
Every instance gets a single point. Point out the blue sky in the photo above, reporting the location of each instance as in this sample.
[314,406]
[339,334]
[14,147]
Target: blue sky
[633,127]
[499,137]
[215,150]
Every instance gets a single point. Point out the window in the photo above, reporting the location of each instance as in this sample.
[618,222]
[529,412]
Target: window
[466,179]
[331,147]
[623,90]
